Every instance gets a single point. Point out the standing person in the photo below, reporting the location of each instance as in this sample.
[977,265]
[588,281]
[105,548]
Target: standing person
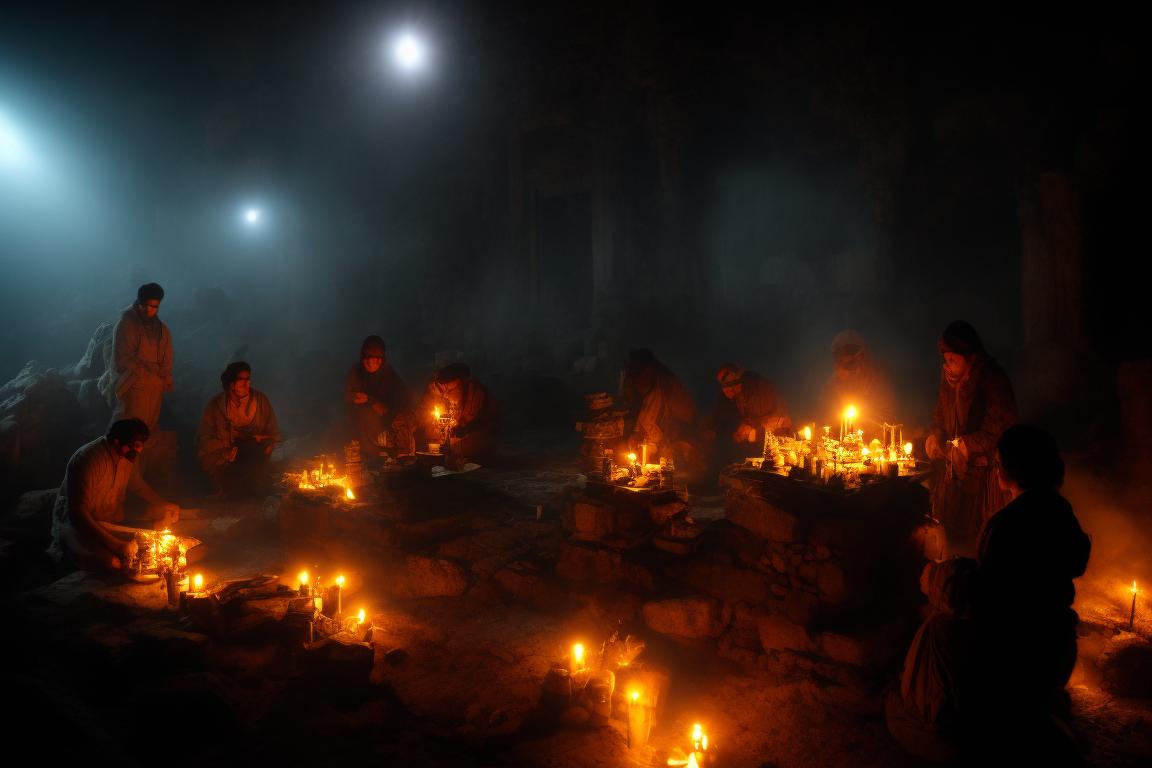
[378,401]
[96,483]
[140,369]
[858,381]
[747,408]
[237,434]
[974,406]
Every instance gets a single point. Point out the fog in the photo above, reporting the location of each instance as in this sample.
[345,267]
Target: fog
[555,188]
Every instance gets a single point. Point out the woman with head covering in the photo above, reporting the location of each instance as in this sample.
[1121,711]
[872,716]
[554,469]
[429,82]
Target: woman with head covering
[974,406]
[857,381]
[379,403]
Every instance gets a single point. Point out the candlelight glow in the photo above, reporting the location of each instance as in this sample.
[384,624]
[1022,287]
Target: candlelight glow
[704,742]
[635,696]
[807,433]
[348,494]
[850,413]
[863,451]
[907,449]
[632,458]
[198,582]
[692,762]
[1133,586]
[360,616]
[697,732]
[436,413]
[340,581]
[578,656]
[302,577]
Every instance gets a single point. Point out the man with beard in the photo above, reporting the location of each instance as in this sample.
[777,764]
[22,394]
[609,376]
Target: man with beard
[97,480]
[140,369]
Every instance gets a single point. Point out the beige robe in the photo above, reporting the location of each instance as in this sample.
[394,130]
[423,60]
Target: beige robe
[140,369]
[223,424]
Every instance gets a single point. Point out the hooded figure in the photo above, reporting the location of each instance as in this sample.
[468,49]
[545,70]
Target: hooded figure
[747,408]
[471,415]
[856,380]
[974,405]
[660,410]
[139,369]
[379,403]
[237,434]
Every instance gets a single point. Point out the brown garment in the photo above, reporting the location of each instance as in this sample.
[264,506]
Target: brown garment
[474,414]
[224,423]
[660,409]
[95,486]
[866,388]
[139,370]
[386,389]
[758,405]
[965,490]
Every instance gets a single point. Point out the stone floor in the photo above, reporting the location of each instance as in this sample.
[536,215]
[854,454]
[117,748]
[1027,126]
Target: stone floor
[472,614]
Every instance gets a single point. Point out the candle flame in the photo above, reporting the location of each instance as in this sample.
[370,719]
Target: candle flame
[1133,586]
[704,743]
[807,433]
[302,577]
[632,458]
[198,582]
[907,449]
[340,580]
[850,412]
[360,616]
[436,413]
[697,731]
[863,451]
[578,655]
[692,762]
[635,696]
[348,494]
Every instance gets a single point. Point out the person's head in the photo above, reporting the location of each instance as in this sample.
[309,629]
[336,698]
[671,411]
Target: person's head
[960,345]
[237,379]
[641,369]
[730,377]
[848,352]
[372,354]
[148,298]
[1029,458]
[128,437]
[451,378]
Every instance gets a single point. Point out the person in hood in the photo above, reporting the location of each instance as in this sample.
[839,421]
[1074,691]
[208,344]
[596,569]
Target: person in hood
[139,370]
[379,403]
[237,434]
[857,380]
[974,405]
[747,408]
[470,410]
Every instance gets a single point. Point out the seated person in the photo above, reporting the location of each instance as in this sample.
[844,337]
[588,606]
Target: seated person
[987,669]
[92,496]
[237,434]
[473,419]
[748,408]
[660,410]
[379,411]
[857,380]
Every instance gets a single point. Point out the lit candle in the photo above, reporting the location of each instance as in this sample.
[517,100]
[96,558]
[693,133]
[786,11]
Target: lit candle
[692,761]
[698,737]
[1132,616]
[807,434]
[634,725]
[360,617]
[849,417]
[339,594]
[302,577]
[198,582]
[577,657]
[349,495]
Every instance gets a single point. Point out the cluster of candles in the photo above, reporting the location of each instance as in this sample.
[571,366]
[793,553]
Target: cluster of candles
[325,477]
[308,587]
[880,456]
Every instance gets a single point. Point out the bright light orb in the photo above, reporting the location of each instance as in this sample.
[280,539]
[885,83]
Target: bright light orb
[409,52]
[252,216]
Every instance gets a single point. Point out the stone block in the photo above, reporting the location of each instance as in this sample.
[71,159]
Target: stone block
[1126,667]
[430,577]
[777,633]
[762,518]
[844,649]
[727,583]
[692,617]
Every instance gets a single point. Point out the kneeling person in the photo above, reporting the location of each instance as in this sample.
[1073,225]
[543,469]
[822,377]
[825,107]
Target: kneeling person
[472,413]
[91,499]
[237,434]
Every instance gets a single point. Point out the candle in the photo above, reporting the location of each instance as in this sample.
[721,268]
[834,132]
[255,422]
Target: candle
[360,617]
[339,594]
[302,577]
[807,434]
[198,582]
[698,737]
[643,454]
[577,657]
[1132,616]
[635,734]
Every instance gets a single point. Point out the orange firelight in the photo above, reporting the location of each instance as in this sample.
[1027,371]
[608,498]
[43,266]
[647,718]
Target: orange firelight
[577,657]
[360,616]
[198,582]
[349,495]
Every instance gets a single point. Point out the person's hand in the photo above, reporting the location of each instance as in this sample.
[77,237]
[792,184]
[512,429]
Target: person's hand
[744,434]
[926,577]
[232,453]
[932,447]
[128,549]
[359,398]
[379,408]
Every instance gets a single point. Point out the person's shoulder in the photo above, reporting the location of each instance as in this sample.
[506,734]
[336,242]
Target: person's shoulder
[91,452]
